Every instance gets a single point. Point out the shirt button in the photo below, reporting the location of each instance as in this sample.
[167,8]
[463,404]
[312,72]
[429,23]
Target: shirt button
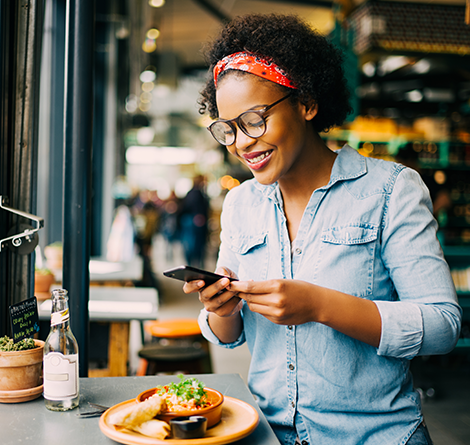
[289,327]
[298,251]
[291,367]
[292,404]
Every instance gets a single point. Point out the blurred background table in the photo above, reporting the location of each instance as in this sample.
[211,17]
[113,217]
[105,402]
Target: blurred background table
[103,272]
[116,307]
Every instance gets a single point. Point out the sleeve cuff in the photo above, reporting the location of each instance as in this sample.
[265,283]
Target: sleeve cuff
[402,329]
[207,333]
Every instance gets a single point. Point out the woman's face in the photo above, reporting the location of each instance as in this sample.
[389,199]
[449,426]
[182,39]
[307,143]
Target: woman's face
[277,154]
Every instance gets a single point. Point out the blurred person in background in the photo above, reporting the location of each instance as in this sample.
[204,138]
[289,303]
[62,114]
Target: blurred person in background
[146,216]
[170,225]
[194,214]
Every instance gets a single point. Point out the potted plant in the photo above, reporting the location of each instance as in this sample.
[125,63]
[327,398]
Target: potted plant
[43,279]
[20,369]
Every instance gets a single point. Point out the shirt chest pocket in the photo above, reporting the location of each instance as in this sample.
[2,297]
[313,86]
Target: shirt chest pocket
[346,260]
[253,256]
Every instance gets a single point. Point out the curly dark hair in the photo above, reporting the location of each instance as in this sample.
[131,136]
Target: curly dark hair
[313,63]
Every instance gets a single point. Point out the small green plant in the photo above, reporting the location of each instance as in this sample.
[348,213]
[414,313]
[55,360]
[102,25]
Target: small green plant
[7,345]
[42,271]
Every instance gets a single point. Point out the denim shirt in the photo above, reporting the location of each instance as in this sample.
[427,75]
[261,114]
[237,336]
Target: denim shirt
[370,233]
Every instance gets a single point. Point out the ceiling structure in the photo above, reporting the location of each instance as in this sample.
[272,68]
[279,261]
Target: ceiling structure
[186,24]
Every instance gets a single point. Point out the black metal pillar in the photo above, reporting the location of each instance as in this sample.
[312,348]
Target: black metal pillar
[7,87]
[78,137]
[54,226]
[20,54]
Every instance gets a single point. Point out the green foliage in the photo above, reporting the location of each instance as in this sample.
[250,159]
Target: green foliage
[7,345]
[43,271]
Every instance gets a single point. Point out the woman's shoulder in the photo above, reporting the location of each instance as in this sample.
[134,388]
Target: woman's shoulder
[377,175]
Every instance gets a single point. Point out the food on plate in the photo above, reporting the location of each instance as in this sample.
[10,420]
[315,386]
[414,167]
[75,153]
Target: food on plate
[137,416]
[187,394]
[153,428]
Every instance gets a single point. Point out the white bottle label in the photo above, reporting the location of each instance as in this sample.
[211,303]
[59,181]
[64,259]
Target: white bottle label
[59,317]
[60,376]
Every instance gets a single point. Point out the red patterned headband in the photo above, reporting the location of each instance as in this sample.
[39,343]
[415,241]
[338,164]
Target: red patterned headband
[253,64]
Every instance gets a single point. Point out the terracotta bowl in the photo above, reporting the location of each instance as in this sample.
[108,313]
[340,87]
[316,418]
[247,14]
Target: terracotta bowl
[212,413]
[21,369]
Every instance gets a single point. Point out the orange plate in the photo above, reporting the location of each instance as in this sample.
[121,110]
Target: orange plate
[239,419]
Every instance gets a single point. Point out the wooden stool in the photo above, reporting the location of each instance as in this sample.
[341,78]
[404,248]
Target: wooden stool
[177,346]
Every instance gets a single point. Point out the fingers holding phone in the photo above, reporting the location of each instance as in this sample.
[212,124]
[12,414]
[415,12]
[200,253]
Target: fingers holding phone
[219,300]
[211,287]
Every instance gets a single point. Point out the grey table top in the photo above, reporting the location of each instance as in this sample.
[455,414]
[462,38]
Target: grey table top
[103,270]
[32,423]
[115,304]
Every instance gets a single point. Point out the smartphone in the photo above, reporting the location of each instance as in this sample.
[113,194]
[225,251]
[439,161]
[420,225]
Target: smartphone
[188,273]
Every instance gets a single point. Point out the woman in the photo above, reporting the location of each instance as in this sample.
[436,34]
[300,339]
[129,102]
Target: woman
[341,278]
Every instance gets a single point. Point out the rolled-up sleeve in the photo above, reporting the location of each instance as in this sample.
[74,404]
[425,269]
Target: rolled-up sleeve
[426,317]
[207,333]
[411,329]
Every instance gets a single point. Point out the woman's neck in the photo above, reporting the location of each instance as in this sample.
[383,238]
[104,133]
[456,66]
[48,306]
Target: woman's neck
[311,173]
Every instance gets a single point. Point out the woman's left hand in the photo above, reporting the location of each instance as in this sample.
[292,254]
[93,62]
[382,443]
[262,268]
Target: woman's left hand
[294,302]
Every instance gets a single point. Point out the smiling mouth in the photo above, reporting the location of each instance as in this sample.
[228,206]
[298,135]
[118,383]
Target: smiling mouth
[258,158]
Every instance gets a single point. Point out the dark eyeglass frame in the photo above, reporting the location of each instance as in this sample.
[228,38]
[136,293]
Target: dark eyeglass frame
[229,122]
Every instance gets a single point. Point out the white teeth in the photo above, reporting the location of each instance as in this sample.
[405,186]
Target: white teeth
[258,158]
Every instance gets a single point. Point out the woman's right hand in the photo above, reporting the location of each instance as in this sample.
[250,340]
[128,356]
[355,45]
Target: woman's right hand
[214,297]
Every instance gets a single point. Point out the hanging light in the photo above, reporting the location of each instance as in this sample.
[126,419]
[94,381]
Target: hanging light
[149,45]
[153,33]
[156,3]
[147,76]
[148,86]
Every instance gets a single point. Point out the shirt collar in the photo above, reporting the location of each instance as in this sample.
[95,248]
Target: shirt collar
[349,164]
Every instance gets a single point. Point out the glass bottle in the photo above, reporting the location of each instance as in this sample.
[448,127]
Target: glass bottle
[60,368]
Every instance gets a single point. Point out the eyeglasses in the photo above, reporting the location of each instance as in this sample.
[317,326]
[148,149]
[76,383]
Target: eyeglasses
[251,122]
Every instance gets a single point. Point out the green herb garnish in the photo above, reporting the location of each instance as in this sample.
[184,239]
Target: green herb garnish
[7,345]
[186,389]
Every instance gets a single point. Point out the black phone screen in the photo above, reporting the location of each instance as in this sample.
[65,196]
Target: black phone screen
[189,273]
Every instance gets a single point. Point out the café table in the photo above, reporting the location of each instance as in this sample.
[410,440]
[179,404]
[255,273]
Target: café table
[104,272]
[117,306]
[32,423]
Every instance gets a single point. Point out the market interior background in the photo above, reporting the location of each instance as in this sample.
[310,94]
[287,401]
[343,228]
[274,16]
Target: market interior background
[133,98]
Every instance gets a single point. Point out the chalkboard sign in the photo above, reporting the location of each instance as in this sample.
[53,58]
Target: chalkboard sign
[24,319]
